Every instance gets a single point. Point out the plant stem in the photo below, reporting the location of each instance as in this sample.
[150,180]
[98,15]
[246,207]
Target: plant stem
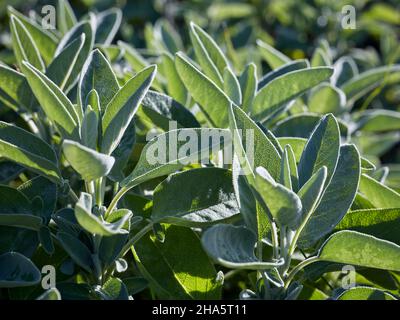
[115,200]
[135,238]
[99,192]
[73,195]
[275,240]
[297,268]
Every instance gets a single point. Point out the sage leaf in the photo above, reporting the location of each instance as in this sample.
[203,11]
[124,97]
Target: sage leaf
[29,151]
[274,58]
[233,247]
[378,194]
[89,163]
[208,198]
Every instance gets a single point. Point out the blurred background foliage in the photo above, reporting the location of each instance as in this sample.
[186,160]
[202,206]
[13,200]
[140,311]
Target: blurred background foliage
[295,28]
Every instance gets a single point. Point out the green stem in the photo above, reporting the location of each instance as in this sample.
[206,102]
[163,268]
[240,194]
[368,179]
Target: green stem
[99,192]
[275,240]
[73,195]
[134,239]
[115,200]
[297,268]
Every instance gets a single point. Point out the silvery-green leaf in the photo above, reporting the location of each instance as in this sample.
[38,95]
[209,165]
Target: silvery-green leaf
[97,74]
[232,86]
[208,54]
[162,109]
[46,241]
[175,87]
[326,98]
[360,85]
[24,46]
[288,67]
[311,191]
[381,223]
[83,27]
[168,36]
[233,247]
[157,159]
[320,58]
[93,224]
[345,69]
[107,25]
[15,92]
[90,128]
[297,145]
[252,147]
[212,100]
[379,121]
[28,150]
[134,58]
[197,197]
[53,101]
[89,163]
[16,270]
[61,70]
[336,199]
[248,86]
[378,194]
[122,107]
[289,176]
[274,58]
[351,247]
[322,149]
[45,41]
[282,203]
[285,88]
[66,18]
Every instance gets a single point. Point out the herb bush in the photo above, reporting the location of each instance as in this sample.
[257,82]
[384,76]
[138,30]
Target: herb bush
[313,195]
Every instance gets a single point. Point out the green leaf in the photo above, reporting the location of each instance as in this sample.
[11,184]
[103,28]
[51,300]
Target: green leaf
[162,109]
[365,293]
[345,69]
[282,203]
[232,86]
[175,87]
[310,193]
[94,224]
[171,276]
[286,68]
[248,86]
[14,89]
[251,145]
[107,25]
[97,74]
[326,98]
[122,153]
[29,151]
[208,198]
[378,194]
[322,149]
[89,163]
[23,44]
[115,289]
[336,199]
[380,223]
[274,58]
[351,247]
[53,101]
[233,247]
[285,88]
[122,107]
[135,285]
[90,128]
[17,271]
[61,70]
[361,84]
[297,145]
[289,176]
[135,60]
[51,294]
[208,54]
[66,18]
[379,121]
[212,100]
[320,58]
[44,189]
[84,27]
[45,41]
[26,221]
[77,250]
[168,160]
